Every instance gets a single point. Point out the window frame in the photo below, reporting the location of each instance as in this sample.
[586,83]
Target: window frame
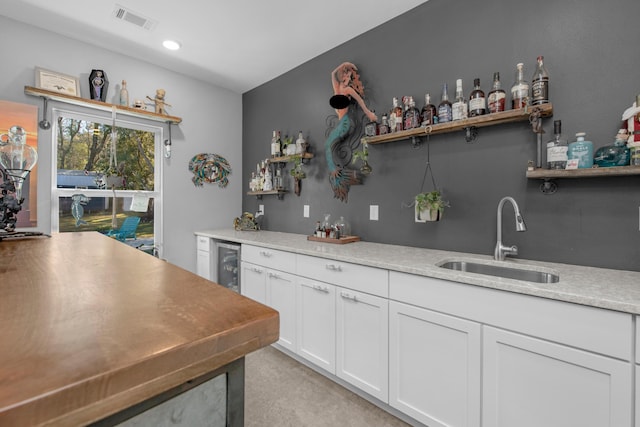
[132,123]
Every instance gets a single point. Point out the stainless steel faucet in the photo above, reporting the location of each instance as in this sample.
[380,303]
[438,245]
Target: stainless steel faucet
[501,250]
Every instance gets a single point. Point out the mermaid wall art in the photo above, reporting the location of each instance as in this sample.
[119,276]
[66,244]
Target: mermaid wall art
[348,94]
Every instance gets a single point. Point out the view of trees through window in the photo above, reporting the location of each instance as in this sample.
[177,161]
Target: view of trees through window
[112,171]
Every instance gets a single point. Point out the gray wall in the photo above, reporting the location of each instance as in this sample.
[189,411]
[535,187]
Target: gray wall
[590,49]
[211,123]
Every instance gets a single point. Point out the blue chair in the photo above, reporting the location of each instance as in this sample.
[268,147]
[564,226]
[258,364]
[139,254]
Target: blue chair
[126,230]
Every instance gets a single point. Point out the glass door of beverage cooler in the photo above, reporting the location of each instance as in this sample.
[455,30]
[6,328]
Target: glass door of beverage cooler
[228,265]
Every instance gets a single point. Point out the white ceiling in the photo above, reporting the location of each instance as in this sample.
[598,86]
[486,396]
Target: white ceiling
[237,45]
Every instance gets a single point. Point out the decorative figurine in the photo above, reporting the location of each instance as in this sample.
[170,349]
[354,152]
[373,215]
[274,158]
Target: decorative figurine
[77,211]
[246,222]
[346,88]
[98,85]
[159,101]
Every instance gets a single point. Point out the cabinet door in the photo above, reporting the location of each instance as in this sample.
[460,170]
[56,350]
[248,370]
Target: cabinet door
[363,341]
[253,282]
[281,296]
[317,323]
[203,264]
[531,382]
[434,366]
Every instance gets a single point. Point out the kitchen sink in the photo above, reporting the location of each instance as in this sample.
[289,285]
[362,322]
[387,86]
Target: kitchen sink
[500,271]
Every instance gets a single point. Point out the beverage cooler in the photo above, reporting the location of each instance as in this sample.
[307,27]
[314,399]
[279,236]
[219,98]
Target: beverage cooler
[226,265]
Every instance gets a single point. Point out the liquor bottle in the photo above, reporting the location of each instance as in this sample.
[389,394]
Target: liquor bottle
[124,94]
[497,96]
[395,117]
[444,108]
[411,114]
[371,127]
[614,155]
[540,84]
[581,150]
[429,114]
[274,144]
[459,108]
[383,129]
[520,89]
[557,148]
[477,101]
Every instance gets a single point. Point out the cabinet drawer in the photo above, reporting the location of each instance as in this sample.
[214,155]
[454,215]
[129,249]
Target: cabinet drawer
[361,278]
[204,243]
[602,331]
[272,258]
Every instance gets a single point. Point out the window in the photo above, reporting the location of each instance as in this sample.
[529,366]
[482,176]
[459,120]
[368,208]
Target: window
[104,171]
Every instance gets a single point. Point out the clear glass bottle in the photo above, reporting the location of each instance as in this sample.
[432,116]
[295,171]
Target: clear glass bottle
[444,108]
[540,84]
[477,101]
[124,94]
[459,109]
[411,117]
[274,144]
[428,114]
[383,129]
[581,150]
[520,89]
[557,148]
[395,116]
[497,96]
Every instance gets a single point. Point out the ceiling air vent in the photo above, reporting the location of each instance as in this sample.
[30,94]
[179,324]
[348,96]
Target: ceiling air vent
[134,18]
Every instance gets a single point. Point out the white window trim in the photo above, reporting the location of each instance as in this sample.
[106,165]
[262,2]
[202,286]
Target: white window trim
[56,193]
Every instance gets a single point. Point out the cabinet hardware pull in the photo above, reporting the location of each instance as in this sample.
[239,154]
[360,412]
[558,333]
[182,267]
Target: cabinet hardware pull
[256,270]
[348,296]
[265,254]
[333,267]
[321,288]
[274,275]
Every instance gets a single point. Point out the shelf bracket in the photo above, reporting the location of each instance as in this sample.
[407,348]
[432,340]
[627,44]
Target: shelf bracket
[415,142]
[548,187]
[471,132]
[44,123]
[280,196]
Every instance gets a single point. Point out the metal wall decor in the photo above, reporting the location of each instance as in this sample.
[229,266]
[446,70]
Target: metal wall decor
[209,168]
[344,136]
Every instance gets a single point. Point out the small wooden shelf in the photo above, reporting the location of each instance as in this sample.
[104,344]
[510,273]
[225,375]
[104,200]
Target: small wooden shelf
[539,173]
[90,103]
[259,194]
[341,241]
[511,116]
[286,159]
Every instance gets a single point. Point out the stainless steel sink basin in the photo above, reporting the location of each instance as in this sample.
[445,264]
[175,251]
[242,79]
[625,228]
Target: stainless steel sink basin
[500,271]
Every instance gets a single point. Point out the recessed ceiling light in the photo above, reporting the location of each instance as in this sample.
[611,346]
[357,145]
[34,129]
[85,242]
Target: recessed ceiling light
[171,44]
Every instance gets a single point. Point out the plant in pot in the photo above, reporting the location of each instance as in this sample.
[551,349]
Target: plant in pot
[429,206]
[297,173]
[363,156]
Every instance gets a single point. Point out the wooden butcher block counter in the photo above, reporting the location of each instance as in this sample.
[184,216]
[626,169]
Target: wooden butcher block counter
[90,327]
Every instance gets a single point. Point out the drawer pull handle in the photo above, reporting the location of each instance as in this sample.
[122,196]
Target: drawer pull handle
[321,288]
[274,275]
[333,267]
[256,270]
[348,296]
[266,254]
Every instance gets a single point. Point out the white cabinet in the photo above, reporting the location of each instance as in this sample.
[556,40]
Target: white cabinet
[281,296]
[203,257]
[363,341]
[532,382]
[434,366]
[254,283]
[316,313]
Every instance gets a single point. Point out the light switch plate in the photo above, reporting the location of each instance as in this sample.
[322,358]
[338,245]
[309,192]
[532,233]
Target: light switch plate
[373,212]
[306,211]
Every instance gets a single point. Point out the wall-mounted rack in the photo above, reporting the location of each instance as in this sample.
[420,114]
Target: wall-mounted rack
[550,175]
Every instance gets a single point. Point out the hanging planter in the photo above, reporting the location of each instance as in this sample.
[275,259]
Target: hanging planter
[429,206]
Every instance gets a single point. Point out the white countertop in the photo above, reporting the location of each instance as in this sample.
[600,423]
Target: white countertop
[598,287]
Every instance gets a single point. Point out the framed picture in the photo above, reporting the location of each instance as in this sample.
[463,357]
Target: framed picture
[57,82]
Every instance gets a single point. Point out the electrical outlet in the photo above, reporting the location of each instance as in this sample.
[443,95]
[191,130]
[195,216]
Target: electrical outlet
[261,209]
[306,211]
[373,212]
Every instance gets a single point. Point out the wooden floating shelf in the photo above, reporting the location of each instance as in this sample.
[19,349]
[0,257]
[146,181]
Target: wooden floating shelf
[540,173]
[259,194]
[284,159]
[510,116]
[91,103]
